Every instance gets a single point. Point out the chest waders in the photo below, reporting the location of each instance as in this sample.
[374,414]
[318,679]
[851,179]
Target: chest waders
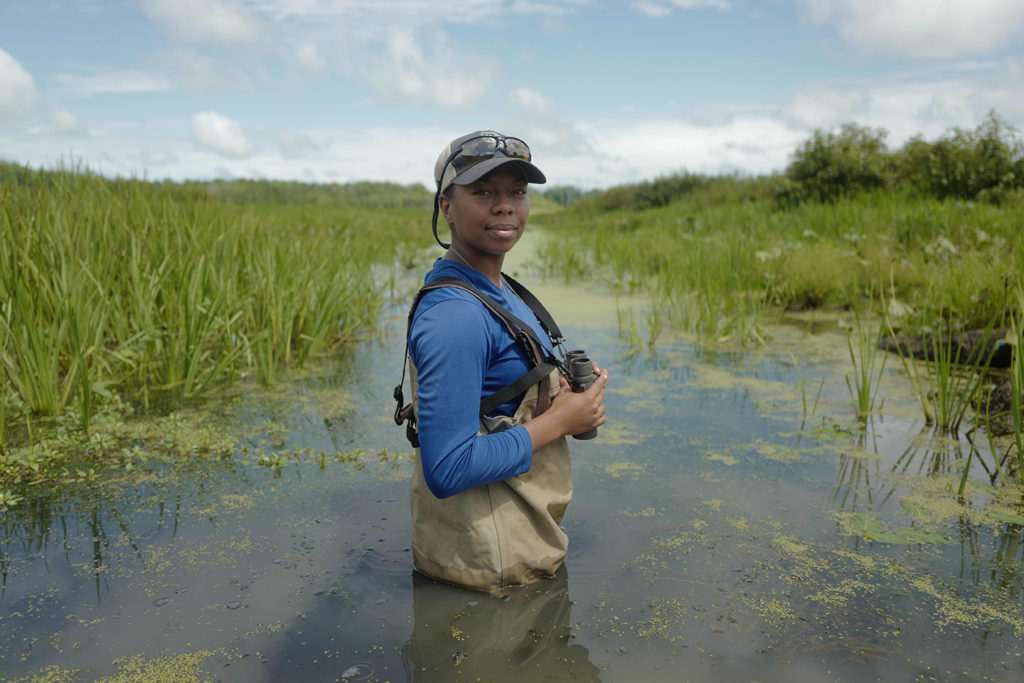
[505,533]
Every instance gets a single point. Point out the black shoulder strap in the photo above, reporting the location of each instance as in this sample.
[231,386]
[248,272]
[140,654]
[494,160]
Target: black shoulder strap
[543,317]
[517,387]
[512,322]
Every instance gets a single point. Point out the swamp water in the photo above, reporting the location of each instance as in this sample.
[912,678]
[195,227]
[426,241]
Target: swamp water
[719,531]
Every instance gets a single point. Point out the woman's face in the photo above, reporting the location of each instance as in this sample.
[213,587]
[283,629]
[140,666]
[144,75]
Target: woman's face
[489,216]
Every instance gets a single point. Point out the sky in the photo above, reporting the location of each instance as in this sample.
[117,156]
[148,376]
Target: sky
[606,92]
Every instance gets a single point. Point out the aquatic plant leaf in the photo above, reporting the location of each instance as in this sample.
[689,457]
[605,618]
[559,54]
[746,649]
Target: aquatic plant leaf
[915,536]
[914,509]
[1006,517]
[870,527]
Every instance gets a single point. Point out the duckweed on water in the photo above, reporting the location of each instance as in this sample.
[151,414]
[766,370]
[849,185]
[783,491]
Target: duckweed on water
[624,470]
[185,668]
[795,585]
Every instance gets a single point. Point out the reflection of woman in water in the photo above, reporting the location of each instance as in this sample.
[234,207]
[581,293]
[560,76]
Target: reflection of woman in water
[490,409]
[525,637]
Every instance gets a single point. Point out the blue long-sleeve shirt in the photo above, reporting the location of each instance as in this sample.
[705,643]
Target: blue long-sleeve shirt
[463,353]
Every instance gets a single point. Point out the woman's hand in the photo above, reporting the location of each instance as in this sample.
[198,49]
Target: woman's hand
[570,413]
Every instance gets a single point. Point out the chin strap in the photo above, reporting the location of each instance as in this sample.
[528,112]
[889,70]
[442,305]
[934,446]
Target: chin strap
[433,220]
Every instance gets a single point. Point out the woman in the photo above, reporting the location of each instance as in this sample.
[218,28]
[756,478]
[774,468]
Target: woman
[493,477]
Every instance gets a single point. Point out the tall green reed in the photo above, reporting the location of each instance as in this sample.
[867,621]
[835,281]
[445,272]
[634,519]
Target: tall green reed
[126,284]
[1017,379]
[862,342]
[948,379]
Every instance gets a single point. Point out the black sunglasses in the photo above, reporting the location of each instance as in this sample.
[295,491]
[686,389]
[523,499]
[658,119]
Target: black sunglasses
[484,147]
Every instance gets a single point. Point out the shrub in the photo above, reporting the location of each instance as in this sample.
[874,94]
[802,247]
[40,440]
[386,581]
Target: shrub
[828,166]
[650,194]
[986,163]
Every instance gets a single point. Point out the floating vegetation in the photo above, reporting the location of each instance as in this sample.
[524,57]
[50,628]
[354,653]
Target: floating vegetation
[184,668]
[868,526]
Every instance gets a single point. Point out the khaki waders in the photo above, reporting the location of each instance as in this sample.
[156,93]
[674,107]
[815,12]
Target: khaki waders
[501,534]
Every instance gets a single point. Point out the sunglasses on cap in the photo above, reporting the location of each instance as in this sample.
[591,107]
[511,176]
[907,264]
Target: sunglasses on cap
[472,152]
[484,147]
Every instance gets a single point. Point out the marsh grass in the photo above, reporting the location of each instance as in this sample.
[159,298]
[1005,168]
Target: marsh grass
[862,342]
[802,384]
[946,383]
[725,257]
[1017,378]
[981,398]
[122,286]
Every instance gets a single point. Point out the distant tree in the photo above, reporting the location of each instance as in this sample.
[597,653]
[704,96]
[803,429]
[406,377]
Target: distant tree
[364,193]
[649,194]
[667,189]
[563,194]
[829,165]
[985,163]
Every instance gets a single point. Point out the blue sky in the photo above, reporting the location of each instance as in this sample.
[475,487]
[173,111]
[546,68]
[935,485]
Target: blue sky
[604,91]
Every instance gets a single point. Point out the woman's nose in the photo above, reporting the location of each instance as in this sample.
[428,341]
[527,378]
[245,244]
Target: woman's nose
[503,203]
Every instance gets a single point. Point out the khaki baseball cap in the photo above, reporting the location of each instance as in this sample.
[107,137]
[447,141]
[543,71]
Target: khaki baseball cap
[470,157]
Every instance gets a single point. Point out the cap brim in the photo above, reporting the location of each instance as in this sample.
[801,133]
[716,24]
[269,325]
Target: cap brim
[478,171]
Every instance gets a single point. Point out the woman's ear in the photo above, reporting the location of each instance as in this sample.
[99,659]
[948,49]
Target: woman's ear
[444,202]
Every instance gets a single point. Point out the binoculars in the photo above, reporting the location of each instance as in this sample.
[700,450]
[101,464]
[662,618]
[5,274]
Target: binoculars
[580,375]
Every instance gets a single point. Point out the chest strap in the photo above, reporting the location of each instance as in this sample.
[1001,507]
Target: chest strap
[543,362]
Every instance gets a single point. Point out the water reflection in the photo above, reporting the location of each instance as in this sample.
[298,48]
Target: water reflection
[523,634]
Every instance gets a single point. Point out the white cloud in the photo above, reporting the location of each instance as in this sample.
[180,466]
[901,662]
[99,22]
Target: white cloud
[159,158]
[922,28]
[200,21]
[536,119]
[309,56]
[398,48]
[195,71]
[106,80]
[531,100]
[652,9]
[641,150]
[905,104]
[412,12]
[544,8]
[820,107]
[661,8]
[439,78]
[296,145]
[220,134]
[17,90]
[65,122]
[22,108]
[697,4]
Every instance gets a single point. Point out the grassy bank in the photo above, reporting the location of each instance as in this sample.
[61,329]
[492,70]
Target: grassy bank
[723,258]
[119,287]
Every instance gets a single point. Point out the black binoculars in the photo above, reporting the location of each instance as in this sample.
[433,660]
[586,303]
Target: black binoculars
[580,375]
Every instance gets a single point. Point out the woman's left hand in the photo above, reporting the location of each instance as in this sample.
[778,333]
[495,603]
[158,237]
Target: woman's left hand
[571,412]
